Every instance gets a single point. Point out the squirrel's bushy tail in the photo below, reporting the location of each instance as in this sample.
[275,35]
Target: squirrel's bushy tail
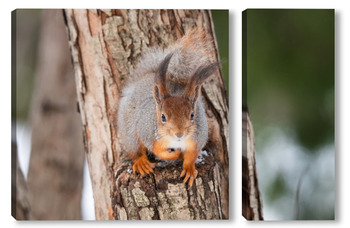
[193,50]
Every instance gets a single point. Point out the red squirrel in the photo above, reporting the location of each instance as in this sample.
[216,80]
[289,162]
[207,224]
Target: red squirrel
[161,110]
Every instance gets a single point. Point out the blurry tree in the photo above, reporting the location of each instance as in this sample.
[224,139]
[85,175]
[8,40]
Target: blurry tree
[251,199]
[288,84]
[55,175]
[290,57]
[105,44]
[221,22]
[26,24]
[24,43]
[20,208]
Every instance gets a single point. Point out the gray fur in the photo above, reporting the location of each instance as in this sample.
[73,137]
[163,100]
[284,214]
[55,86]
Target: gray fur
[201,134]
[183,63]
[137,110]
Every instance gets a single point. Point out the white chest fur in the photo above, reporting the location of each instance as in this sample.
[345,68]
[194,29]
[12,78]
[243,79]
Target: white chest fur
[175,143]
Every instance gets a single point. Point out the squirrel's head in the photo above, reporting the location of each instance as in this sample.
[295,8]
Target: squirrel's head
[176,115]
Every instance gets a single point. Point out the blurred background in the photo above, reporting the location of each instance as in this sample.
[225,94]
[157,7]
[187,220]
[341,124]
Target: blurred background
[289,91]
[48,130]
[221,25]
[45,118]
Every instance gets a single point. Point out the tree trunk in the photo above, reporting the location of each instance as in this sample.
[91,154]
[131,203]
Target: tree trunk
[20,208]
[251,199]
[55,175]
[105,45]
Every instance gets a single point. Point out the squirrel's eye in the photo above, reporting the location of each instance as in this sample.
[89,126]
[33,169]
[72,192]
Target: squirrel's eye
[192,116]
[163,118]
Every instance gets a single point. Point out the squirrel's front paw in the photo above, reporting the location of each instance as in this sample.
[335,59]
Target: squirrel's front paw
[190,173]
[142,165]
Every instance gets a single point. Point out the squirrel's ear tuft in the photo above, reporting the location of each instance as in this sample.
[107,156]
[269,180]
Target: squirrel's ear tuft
[163,67]
[196,94]
[160,78]
[203,72]
[157,96]
[192,90]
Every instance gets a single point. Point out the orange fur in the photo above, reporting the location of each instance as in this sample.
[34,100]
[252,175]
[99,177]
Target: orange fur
[141,163]
[161,150]
[194,38]
[190,156]
[176,114]
[177,111]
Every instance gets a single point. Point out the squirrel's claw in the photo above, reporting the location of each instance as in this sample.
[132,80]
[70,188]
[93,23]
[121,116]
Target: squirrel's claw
[191,174]
[143,166]
[147,168]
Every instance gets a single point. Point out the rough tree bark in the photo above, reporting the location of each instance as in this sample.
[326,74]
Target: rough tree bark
[251,198]
[55,175]
[105,45]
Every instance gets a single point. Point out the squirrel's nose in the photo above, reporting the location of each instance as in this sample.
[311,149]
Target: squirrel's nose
[179,135]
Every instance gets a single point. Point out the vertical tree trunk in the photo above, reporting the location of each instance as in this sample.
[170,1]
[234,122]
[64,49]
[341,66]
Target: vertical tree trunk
[55,173]
[20,208]
[251,198]
[105,45]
